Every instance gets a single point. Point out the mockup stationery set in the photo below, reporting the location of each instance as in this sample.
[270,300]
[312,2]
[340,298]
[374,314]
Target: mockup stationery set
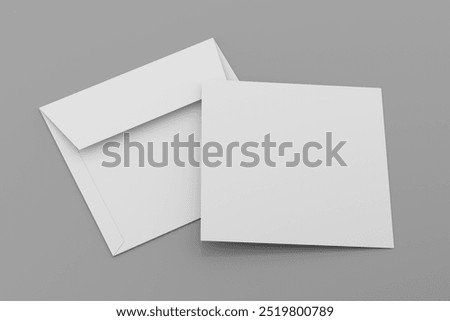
[275,163]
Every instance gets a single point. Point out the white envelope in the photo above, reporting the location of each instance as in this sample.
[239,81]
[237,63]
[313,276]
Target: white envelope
[338,200]
[153,103]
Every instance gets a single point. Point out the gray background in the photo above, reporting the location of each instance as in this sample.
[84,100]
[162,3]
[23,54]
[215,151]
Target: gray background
[50,245]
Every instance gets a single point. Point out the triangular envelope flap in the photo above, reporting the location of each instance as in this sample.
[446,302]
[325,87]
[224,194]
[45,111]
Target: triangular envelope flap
[137,96]
[102,217]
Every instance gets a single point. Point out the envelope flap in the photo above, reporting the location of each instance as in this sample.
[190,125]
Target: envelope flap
[137,96]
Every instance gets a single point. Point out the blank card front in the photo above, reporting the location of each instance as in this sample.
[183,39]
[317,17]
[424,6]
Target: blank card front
[294,164]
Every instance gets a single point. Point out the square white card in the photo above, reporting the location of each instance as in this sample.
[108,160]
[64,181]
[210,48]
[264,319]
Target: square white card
[319,178]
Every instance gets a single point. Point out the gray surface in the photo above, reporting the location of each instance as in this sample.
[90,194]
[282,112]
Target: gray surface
[51,248]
